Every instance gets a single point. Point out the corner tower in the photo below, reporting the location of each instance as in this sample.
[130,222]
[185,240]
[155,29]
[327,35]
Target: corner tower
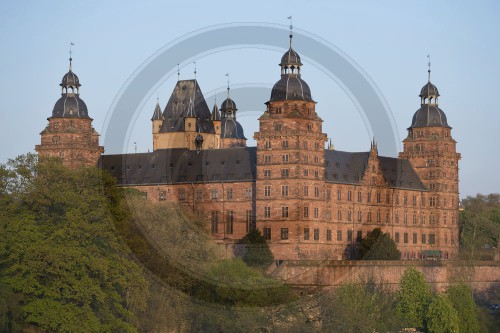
[69,134]
[431,150]
[290,161]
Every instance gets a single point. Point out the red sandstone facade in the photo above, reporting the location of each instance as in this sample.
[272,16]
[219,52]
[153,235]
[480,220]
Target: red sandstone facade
[309,202]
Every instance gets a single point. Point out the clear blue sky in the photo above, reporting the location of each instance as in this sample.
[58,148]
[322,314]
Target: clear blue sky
[388,39]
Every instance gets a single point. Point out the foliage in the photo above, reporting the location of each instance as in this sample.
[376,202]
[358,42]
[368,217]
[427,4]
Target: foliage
[359,308]
[377,245]
[442,317]
[414,297]
[460,296]
[60,251]
[258,253]
[479,224]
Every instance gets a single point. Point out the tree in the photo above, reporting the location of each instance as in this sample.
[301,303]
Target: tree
[414,297]
[441,316]
[460,296]
[359,308]
[60,251]
[479,224]
[377,245]
[258,253]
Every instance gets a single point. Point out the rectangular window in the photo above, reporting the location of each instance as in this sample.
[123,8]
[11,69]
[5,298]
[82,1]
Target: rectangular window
[214,219]
[387,217]
[414,201]
[229,221]
[306,173]
[405,199]
[285,173]
[359,197]
[267,233]
[359,236]
[328,194]
[306,191]
[359,216]
[387,198]
[328,215]
[248,193]
[229,193]
[267,158]
[415,238]
[267,173]
[284,233]
[396,237]
[379,197]
[339,235]
[316,191]
[268,144]
[349,215]
[349,195]
[406,218]
[369,197]
[306,233]
[405,238]
[339,195]
[316,212]
[248,219]
[306,212]
[284,211]
[215,194]
[284,190]
[432,239]
[267,190]
[316,174]
[267,212]
[369,216]
[424,238]
[316,234]
[349,235]
[182,195]
[339,215]
[396,217]
[284,144]
[285,157]
[329,235]
[414,218]
[163,195]
[199,195]
[379,219]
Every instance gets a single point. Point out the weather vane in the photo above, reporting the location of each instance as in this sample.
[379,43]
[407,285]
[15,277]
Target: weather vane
[429,65]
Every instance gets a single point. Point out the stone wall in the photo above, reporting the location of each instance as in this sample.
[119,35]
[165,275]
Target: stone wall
[311,273]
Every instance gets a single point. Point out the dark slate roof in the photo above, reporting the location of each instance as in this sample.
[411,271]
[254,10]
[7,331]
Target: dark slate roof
[429,90]
[215,113]
[290,58]
[291,87]
[171,166]
[230,128]
[348,168]
[70,79]
[429,116]
[186,93]
[157,113]
[70,106]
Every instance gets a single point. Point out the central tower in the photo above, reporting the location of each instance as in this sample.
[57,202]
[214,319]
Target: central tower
[290,161]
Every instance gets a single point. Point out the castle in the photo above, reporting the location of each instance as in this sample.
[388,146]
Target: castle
[309,202]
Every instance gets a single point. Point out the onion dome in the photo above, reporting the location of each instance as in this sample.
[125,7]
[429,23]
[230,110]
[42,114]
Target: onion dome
[429,116]
[429,90]
[290,86]
[70,105]
[231,129]
[290,58]
[228,108]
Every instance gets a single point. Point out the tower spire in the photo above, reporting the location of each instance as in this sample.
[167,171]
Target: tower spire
[227,75]
[178,73]
[71,44]
[194,62]
[429,65]
[291,30]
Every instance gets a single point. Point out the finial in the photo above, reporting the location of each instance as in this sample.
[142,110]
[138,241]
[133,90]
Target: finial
[135,147]
[429,64]
[70,53]
[227,75]
[291,30]
[194,62]
[178,73]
